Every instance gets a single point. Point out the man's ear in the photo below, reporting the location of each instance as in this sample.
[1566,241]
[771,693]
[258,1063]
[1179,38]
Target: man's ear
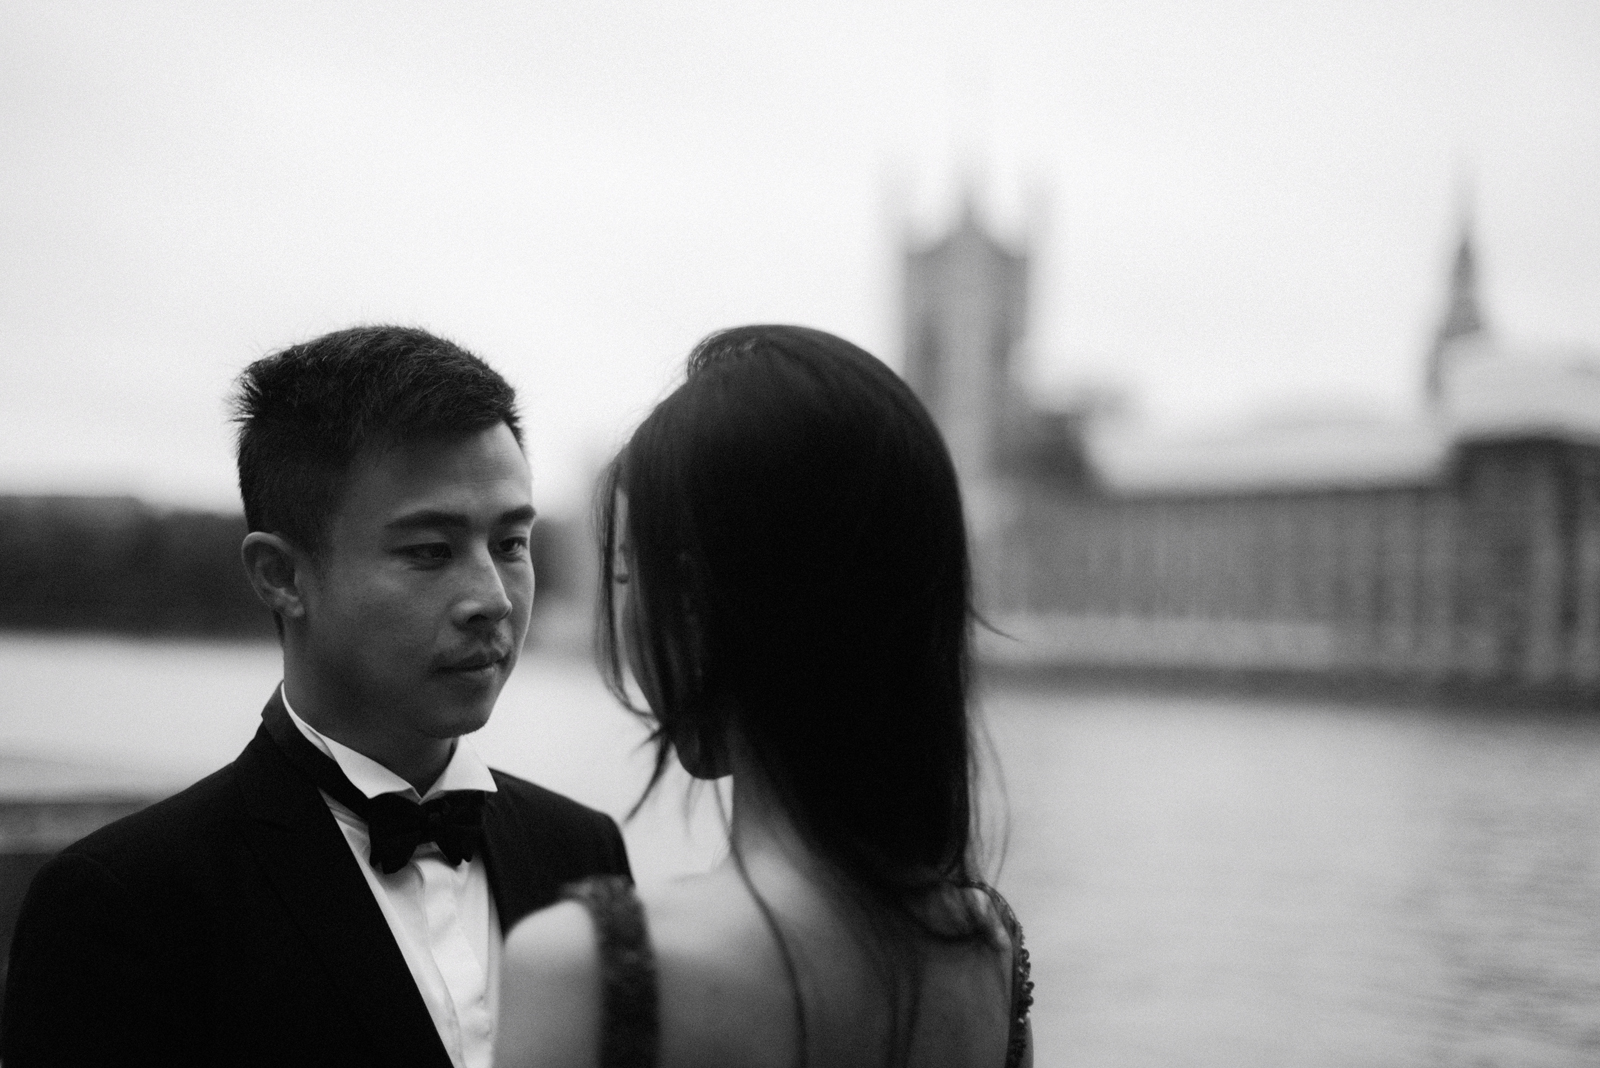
[274,568]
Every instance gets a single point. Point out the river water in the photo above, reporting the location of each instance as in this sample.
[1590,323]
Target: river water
[1204,881]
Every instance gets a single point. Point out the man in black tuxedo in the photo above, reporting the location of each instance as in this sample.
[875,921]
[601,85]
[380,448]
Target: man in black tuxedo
[337,894]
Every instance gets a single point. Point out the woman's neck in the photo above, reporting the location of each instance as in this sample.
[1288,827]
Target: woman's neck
[758,820]
[760,826]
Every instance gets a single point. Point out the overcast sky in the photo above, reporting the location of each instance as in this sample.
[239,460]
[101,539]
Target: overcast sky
[1234,207]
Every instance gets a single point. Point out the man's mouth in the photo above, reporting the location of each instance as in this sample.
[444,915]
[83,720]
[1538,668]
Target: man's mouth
[474,662]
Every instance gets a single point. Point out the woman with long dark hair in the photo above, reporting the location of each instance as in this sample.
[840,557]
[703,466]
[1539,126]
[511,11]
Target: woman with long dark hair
[786,579]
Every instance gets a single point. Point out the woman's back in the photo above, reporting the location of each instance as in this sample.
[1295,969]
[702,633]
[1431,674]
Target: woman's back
[725,988]
[725,996]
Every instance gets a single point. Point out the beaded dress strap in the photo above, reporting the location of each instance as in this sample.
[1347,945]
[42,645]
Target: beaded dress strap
[1021,983]
[628,1012]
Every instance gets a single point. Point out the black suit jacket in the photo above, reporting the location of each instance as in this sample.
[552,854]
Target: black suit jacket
[230,925]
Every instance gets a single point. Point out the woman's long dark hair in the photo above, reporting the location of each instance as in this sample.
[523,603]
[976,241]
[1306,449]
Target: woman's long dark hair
[797,533]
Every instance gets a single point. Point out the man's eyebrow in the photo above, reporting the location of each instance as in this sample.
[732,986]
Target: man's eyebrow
[433,519]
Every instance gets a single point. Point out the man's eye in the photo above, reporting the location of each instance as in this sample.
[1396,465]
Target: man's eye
[432,552]
[514,546]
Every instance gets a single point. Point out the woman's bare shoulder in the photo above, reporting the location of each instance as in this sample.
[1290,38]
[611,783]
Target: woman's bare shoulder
[698,903]
[725,996]
[550,991]
[708,932]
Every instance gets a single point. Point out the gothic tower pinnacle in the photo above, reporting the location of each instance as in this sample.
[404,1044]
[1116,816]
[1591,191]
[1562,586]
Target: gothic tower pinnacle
[1462,316]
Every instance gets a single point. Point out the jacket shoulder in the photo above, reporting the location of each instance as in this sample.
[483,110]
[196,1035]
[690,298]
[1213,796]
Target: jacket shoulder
[542,840]
[176,823]
[546,803]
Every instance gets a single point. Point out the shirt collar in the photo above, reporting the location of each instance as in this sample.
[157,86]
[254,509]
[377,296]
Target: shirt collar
[466,770]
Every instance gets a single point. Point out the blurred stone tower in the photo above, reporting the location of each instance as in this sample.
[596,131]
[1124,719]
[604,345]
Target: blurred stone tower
[965,312]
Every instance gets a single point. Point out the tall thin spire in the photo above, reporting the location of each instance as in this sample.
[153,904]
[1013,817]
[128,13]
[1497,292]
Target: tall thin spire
[1463,316]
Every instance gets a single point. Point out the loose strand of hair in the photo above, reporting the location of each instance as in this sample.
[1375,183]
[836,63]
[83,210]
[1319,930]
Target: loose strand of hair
[770,919]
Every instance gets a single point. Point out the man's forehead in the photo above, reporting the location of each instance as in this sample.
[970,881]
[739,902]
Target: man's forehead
[464,467]
[492,450]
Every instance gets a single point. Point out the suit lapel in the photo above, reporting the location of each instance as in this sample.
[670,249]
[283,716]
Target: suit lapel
[310,865]
[519,873]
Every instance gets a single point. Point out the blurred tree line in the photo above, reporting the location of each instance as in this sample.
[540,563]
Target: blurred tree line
[118,564]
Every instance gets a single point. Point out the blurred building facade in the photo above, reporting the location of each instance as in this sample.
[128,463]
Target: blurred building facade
[1462,546]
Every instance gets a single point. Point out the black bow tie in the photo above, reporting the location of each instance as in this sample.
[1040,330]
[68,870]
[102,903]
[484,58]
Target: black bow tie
[396,825]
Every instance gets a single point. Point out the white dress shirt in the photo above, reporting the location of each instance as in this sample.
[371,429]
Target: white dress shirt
[442,917]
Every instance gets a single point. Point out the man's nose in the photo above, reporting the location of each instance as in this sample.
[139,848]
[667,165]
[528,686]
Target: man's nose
[485,598]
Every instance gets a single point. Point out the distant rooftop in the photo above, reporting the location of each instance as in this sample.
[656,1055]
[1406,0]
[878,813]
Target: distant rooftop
[1316,455]
[1497,392]
[1492,392]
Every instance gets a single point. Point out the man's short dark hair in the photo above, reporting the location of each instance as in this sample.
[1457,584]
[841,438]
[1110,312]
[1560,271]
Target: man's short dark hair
[307,412]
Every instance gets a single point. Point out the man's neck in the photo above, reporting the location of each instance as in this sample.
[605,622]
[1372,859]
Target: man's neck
[419,761]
